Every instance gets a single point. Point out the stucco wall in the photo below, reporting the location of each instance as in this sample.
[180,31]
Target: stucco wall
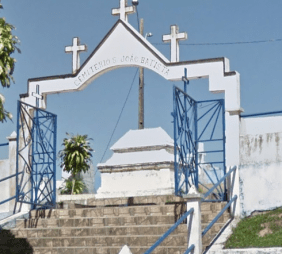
[137,183]
[4,186]
[88,179]
[260,171]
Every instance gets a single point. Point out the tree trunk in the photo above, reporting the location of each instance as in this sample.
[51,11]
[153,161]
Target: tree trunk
[73,183]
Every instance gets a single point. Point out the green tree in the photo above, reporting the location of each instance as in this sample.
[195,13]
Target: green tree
[8,46]
[76,156]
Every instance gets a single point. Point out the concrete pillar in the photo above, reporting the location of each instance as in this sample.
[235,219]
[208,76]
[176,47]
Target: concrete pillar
[232,120]
[194,199]
[232,190]
[24,160]
[12,166]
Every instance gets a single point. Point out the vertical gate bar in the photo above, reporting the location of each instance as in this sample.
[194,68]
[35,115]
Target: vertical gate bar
[224,140]
[185,130]
[175,142]
[186,125]
[35,148]
[33,165]
[17,157]
[196,143]
[54,162]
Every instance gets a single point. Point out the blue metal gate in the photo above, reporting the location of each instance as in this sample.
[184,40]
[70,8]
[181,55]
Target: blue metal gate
[199,140]
[36,157]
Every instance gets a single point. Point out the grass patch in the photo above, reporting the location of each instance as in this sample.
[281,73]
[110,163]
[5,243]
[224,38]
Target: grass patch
[263,230]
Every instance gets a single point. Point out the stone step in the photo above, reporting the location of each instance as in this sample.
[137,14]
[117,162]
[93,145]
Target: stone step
[156,200]
[110,231]
[107,250]
[208,237]
[206,209]
[133,240]
[206,218]
[97,222]
[97,231]
[144,200]
[213,207]
[109,211]
[88,229]
[107,221]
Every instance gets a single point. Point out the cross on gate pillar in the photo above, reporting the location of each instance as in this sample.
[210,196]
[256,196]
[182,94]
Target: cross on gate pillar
[38,96]
[174,37]
[75,49]
[124,10]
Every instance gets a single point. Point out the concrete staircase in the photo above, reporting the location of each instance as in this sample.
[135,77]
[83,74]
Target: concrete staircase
[104,226]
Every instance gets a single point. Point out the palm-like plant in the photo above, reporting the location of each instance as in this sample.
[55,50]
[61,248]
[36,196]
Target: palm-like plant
[76,155]
[77,188]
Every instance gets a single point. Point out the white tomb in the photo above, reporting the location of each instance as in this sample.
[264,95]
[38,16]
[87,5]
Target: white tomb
[142,164]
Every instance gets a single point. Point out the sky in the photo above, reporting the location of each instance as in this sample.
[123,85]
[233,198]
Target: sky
[46,27]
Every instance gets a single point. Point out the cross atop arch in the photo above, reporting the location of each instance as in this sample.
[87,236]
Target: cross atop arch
[174,37]
[123,10]
[75,49]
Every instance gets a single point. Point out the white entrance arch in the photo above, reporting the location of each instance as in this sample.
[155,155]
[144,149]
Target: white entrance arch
[124,46]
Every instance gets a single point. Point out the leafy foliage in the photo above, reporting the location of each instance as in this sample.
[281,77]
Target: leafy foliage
[8,46]
[79,186]
[3,113]
[76,155]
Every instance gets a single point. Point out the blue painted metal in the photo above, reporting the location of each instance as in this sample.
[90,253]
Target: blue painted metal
[233,199]
[5,144]
[36,156]
[7,200]
[190,249]
[219,215]
[167,233]
[5,179]
[9,177]
[261,114]
[184,142]
[198,124]
[222,180]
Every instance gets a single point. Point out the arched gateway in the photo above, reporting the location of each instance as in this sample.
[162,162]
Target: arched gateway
[122,46]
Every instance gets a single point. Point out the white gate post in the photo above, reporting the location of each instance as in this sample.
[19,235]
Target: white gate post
[12,164]
[194,224]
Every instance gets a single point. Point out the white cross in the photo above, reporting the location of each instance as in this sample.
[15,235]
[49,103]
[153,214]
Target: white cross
[123,10]
[174,38]
[37,95]
[75,50]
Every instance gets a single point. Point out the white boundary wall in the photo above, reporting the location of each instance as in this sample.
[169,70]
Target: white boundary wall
[260,169]
[4,172]
[7,168]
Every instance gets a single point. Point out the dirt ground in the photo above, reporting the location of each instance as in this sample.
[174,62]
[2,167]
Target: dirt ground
[268,226]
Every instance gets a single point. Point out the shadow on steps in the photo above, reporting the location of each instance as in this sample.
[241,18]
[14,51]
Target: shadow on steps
[11,245]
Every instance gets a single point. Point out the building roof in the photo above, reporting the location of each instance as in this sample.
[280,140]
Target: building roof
[137,158]
[143,138]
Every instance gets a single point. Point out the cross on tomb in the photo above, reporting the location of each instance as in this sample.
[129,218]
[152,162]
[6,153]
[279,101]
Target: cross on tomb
[75,49]
[174,37]
[123,10]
